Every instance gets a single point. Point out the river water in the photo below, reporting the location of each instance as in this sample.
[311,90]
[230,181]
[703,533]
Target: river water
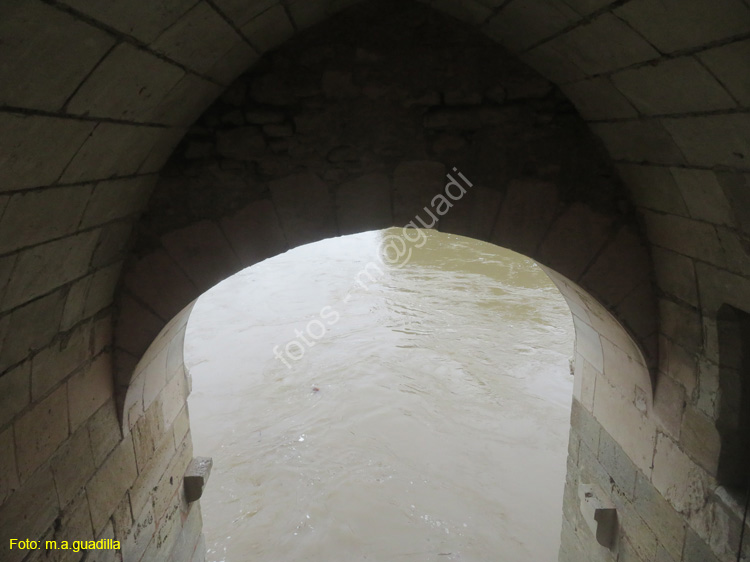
[416,407]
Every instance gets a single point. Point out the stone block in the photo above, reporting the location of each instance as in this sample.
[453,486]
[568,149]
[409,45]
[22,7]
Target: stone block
[681,324]
[617,464]
[89,389]
[113,241]
[187,100]
[474,214]
[653,187]
[583,424]
[675,275]
[305,208]
[198,39]
[269,29]
[700,439]
[28,513]
[190,538]
[112,149]
[181,425]
[34,150]
[148,479]
[144,23]
[147,433]
[639,141]
[713,140]
[674,25]
[203,253]
[624,372]
[528,209]
[40,431]
[603,45]
[254,233]
[668,526]
[106,489]
[239,59]
[472,12]
[240,11]
[727,63]
[588,344]
[103,555]
[38,216]
[167,533]
[54,363]
[136,326]
[196,477]
[677,478]
[364,204]
[551,60]
[520,26]
[72,466]
[173,399]
[642,539]
[597,99]
[684,236]
[101,289]
[127,85]
[669,404]
[169,491]
[160,283]
[15,391]
[659,89]
[696,549]
[117,199]
[69,258]
[619,268]
[104,432]
[35,35]
[415,185]
[618,416]
[9,481]
[139,535]
[573,239]
[161,149]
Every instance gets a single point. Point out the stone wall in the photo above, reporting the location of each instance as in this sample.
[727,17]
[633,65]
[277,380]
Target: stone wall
[94,96]
[354,126]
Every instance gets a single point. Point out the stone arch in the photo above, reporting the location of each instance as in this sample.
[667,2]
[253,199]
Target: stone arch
[94,97]
[272,164]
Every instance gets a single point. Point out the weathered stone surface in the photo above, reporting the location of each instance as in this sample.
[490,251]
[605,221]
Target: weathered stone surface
[9,482]
[726,63]
[15,391]
[305,208]
[40,431]
[364,204]
[35,35]
[700,436]
[144,23]
[35,150]
[72,466]
[674,25]
[597,98]
[107,487]
[198,39]
[90,389]
[660,89]
[69,257]
[128,84]
[715,140]
[268,29]
[53,364]
[523,25]
[660,517]
[29,512]
[196,477]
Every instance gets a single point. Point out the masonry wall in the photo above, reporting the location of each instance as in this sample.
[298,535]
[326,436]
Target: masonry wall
[94,97]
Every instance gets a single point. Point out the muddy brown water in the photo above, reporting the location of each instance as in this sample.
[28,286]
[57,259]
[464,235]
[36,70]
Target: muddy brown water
[365,400]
